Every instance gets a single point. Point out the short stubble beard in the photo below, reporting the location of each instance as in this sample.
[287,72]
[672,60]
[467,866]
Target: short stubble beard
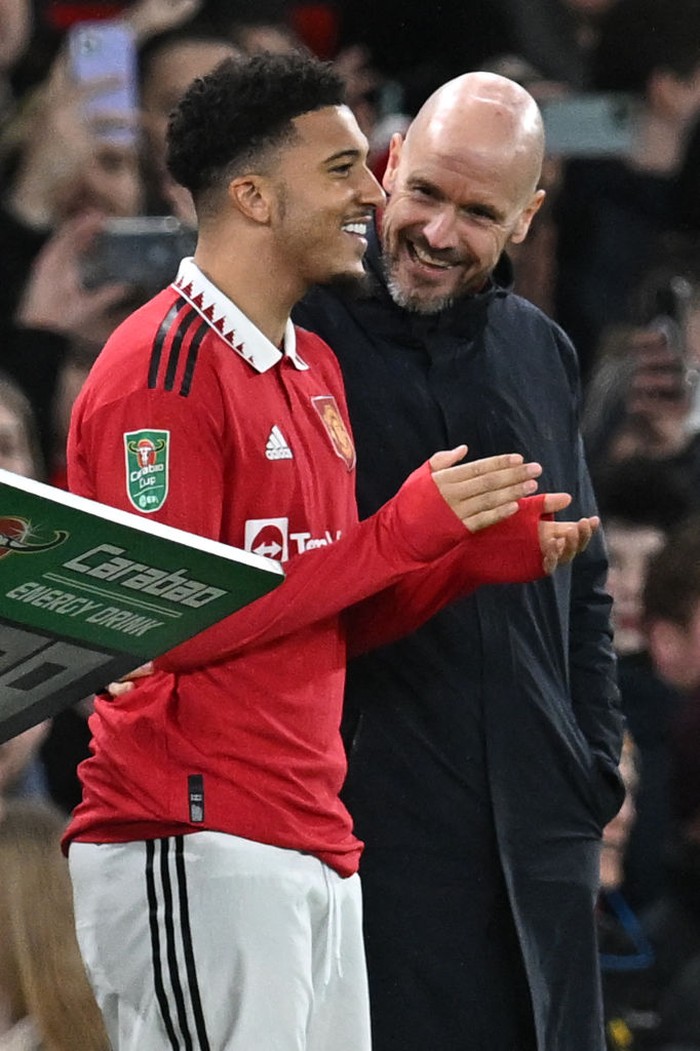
[414,303]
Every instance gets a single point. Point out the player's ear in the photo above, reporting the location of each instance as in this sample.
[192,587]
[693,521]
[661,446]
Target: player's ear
[251,195]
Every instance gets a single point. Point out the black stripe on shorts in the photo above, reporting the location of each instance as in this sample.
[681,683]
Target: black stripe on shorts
[155,945]
[175,919]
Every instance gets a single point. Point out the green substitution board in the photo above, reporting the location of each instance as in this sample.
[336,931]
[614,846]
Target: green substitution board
[87,593]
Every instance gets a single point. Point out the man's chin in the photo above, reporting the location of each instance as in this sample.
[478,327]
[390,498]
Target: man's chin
[350,284]
[416,302]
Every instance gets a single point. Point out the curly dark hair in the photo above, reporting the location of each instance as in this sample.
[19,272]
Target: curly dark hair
[230,118]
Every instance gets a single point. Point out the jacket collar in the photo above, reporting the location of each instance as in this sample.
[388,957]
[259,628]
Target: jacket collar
[231,324]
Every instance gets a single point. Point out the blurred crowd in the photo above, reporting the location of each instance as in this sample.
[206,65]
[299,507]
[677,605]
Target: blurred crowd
[614,257]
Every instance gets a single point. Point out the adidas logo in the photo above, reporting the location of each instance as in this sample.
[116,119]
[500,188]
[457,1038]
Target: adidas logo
[277,448]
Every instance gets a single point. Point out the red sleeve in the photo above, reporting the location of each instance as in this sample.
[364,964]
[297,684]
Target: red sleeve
[412,529]
[506,553]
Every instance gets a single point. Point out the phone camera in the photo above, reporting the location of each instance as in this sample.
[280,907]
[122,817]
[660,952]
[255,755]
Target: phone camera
[88,44]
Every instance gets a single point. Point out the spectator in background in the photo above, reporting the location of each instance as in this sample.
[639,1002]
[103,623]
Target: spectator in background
[65,167]
[672,616]
[168,65]
[260,25]
[62,165]
[15,31]
[19,445]
[626,955]
[21,773]
[557,37]
[54,313]
[63,181]
[421,45]
[66,180]
[45,1000]
[641,399]
[613,212]
[640,501]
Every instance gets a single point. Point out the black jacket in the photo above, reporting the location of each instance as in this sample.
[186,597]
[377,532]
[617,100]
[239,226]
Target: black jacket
[500,717]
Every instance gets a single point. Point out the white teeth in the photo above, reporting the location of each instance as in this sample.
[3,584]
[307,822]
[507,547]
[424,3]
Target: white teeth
[423,257]
[355,228]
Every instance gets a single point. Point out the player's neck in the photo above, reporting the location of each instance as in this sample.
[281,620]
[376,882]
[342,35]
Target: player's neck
[256,285]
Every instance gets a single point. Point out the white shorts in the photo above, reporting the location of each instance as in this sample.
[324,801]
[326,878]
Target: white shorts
[209,942]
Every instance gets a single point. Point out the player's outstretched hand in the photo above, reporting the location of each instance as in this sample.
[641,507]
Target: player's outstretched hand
[483,492]
[562,541]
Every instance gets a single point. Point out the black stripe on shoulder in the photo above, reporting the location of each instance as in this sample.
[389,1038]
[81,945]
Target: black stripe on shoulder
[155,946]
[176,347]
[188,947]
[192,358]
[162,334]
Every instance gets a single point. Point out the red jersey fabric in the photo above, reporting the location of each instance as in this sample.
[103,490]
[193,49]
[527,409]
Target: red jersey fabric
[238,729]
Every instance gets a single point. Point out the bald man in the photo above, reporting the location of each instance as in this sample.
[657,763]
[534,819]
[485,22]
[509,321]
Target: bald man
[483,749]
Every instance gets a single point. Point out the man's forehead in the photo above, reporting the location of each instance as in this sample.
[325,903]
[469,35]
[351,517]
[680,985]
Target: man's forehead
[330,124]
[496,164]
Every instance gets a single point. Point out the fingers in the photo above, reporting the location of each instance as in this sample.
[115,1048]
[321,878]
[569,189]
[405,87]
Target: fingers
[554,502]
[75,235]
[560,542]
[486,491]
[139,673]
[127,682]
[552,550]
[117,689]
[107,296]
[441,460]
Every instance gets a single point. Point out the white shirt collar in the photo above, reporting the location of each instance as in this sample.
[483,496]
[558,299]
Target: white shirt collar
[230,323]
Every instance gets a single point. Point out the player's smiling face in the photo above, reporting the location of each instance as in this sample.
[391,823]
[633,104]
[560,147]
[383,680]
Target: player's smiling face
[326,197]
[452,209]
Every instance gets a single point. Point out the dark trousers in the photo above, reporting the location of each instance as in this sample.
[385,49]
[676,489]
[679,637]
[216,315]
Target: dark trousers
[445,967]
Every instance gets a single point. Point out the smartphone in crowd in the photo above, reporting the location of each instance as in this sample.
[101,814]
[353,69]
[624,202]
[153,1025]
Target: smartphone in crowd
[590,125]
[106,52]
[144,252]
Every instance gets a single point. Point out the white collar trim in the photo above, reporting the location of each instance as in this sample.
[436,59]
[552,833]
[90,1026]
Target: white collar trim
[230,323]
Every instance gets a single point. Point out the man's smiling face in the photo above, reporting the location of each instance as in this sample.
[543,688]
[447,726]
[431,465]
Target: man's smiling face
[455,202]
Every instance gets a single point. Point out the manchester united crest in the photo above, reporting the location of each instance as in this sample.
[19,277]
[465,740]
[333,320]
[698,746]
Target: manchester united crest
[327,408]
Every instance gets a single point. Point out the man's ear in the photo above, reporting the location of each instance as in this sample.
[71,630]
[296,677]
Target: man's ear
[526,216]
[392,164]
[251,195]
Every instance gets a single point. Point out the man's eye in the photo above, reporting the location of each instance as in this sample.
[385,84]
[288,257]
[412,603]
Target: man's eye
[342,169]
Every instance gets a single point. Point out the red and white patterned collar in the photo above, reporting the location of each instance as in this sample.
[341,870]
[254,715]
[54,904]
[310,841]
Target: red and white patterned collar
[231,324]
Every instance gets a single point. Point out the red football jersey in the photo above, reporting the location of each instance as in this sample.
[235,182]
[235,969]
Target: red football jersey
[192,417]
